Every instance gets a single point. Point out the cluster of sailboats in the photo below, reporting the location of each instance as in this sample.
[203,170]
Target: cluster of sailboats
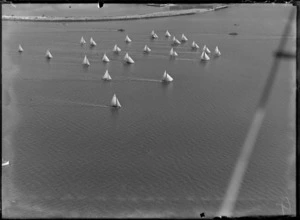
[166,78]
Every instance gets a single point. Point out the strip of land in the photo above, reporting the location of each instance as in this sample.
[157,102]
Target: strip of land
[114,18]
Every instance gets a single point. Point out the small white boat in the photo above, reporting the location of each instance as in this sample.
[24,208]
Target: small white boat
[128,59]
[6,163]
[173,53]
[86,61]
[115,102]
[92,42]
[166,77]
[183,38]
[205,48]
[116,49]
[154,35]
[175,41]
[105,58]
[167,34]
[194,45]
[106,76]
[146,49]
[48,55]
[20,49]
[204,56]
[127,39]
[217,52]
[82,40]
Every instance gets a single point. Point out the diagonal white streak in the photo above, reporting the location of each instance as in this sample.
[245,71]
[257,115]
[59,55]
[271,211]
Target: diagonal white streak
[240,168]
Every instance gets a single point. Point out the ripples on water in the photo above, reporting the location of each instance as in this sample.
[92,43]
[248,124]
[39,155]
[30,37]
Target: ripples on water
[171,148]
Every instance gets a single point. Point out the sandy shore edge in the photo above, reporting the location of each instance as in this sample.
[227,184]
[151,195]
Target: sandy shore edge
[115,18]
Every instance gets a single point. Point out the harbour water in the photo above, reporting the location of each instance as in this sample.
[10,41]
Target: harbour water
[171,149]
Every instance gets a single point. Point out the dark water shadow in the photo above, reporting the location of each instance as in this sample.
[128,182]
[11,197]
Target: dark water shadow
[85,68]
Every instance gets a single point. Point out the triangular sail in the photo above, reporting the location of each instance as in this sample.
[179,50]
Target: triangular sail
[105,58]
[106,76]
[175,41]
[217,51]
[204,56]
[167,34]
[205,48]
[173,52]
[20,49]
[183,38]
[82,41]
[167,77]
[92,42]
[128,59]
[86,61]
[127,39]
[116,49]
[48,54]
[147,49]
[194,45]
[115,102]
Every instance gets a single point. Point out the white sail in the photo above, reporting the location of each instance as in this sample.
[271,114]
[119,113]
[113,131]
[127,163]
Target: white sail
[106,76]
[166,77]
[82,40]
[167,34]
[183,38]
[116,49]
[86,61]
[105,58]
[152,32]
[146,49]
[173,52]
[217,51]
[194,45]
[128,59]
[5,163]
[127,39]
[48,54]
[154,35]
[205,48]
[92,42]
[175,41]
[20,48]
[204,56]
[115,102]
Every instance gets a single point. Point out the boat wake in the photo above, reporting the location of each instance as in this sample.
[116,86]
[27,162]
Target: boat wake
[53,102]
[144,80]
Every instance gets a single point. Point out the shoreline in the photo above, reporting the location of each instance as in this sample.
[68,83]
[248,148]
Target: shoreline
[114,18]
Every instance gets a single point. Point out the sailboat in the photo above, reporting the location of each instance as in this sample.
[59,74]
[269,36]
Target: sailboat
[205,48]
[106,76]
[154,35]
[105,58]
[194,45]
[173,53]
[128,59]
[146,49]
[167,34]
[166,77]
[217,51]
[115,102]
[116,49]
[175,41]
[92,42]
[48,55]
[6,163]
[127,39]
[20,48]
[204,56]
[82,41]
[183,38]
[86,61]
